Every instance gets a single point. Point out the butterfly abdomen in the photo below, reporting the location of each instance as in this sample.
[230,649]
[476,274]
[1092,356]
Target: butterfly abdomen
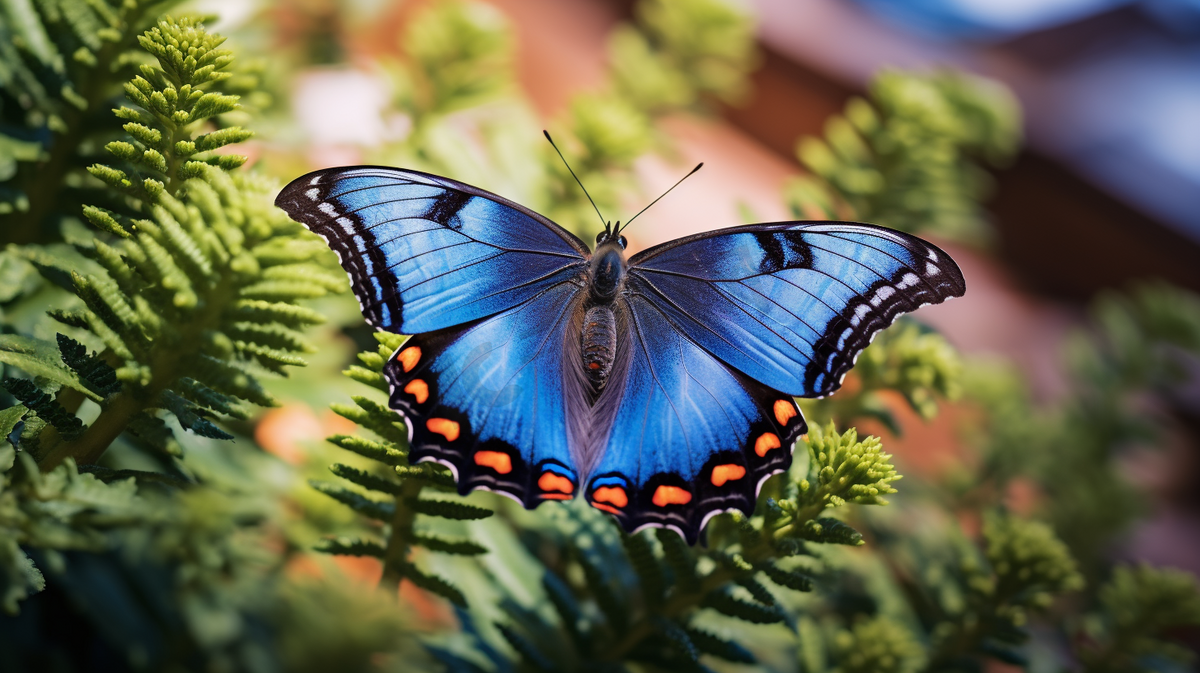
[599,344]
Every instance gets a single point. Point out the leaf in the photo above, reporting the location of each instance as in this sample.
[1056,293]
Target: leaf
[41,358]
[45,406]
[10,417]
[710,643]
[365,479]
[449,509]
[448,545]
[434,584]
[754,613]
[23,579]
[351,547]
[374,509]
[828,530]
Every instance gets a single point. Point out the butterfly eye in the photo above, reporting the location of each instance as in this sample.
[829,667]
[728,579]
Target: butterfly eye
[621,242]
[601,237]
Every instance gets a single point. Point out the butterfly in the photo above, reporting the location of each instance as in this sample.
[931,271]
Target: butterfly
[660,387]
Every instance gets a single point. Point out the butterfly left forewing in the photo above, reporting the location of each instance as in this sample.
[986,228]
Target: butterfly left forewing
[487,398]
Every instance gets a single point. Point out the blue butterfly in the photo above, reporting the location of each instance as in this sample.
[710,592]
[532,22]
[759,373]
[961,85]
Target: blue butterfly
[660,387]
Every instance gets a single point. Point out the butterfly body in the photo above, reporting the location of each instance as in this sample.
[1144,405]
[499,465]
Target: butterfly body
[658,387]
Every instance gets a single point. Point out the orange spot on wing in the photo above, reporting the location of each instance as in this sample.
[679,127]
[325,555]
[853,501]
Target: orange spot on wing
[594,365]
[446,428]
[785,410]
[556,496]
[409,357]
[765,442]
[724,473]
[611,494]
[497,460]
[554,482]
[606,508]
[418,389]
[670,495]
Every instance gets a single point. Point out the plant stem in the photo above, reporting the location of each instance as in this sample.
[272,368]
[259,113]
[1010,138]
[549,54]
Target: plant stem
[88,447]
[395,558]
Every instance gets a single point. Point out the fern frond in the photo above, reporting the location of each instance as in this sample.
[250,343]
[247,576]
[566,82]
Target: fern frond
[64,68]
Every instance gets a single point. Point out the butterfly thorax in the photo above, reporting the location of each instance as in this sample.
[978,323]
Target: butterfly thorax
[599,337]
[606,272]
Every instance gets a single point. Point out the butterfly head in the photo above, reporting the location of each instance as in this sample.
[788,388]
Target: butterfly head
[608,268]
[610,235]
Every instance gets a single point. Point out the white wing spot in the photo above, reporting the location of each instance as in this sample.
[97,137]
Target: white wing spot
[931,270]
[314,193]
[908,280]
[347,225]
[860,312]
[315,180]
[327,208]
[933,255]
[882,294]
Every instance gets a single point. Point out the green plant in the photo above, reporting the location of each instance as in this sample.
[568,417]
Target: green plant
[63,67]
[404,484]
[907,159]
[186,299]
[1140,606]
[187,302]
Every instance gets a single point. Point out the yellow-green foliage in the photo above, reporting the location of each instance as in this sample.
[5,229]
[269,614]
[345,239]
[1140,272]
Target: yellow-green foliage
[173,99]
[1141,605]
[459,55]
[906,157]
[684,52]
[63,65]
[878,646]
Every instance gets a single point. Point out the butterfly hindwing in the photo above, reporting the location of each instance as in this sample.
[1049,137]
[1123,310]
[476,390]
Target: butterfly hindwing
[488,399]
[690,437]
[793,304]
[424,252]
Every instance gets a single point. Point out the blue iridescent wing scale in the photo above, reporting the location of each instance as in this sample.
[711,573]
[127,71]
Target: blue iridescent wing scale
[792,304]
[424,252]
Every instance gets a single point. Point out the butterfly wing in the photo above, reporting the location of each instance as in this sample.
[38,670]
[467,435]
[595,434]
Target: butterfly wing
[489,398]
[792,304]
[681,435]
[424,252]
[723,329]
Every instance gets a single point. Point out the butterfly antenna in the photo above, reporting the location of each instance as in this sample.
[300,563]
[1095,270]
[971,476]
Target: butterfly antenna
[659,198]
[585,191]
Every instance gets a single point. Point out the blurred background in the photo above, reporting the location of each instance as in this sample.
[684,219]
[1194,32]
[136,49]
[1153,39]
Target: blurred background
[1051,146]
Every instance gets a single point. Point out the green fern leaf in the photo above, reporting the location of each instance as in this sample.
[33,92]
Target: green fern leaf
[449,509]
